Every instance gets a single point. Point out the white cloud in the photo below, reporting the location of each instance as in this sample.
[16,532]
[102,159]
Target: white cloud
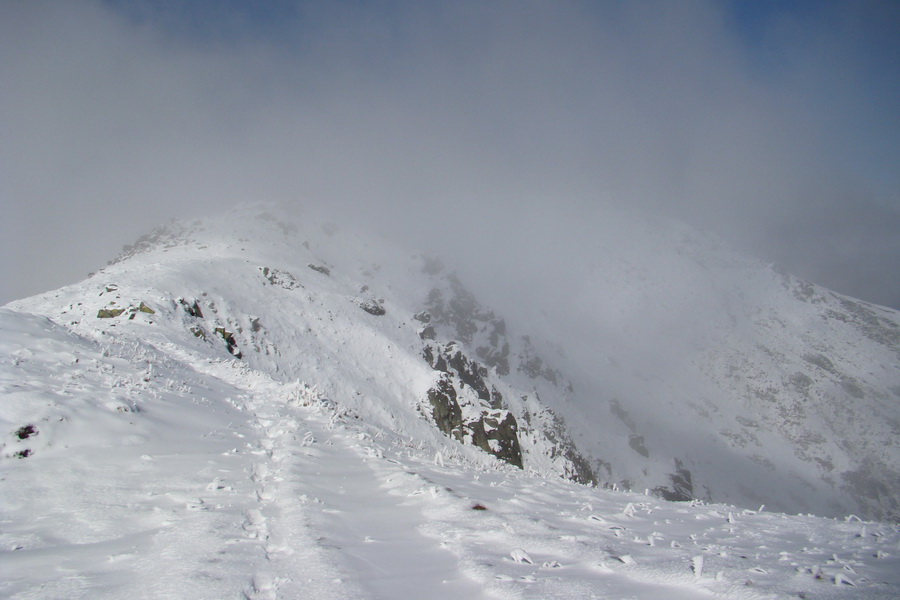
[448,120]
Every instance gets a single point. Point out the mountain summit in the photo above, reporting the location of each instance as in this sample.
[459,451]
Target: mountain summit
[694,375]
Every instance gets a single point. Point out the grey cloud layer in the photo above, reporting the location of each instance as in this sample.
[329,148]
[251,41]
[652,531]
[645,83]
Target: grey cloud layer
[446,123]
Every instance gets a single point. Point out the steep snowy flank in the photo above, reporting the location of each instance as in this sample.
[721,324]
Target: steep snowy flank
[701,373]
[246,407]
[142,473]
[692,371]
[318,305]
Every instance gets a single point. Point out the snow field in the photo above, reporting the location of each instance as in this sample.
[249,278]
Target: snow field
[140,460]
[222,482]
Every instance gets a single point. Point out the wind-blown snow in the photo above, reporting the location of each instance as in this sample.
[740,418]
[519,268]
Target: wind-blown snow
[142,459]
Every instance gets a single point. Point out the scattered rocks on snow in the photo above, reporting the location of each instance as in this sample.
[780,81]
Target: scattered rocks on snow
[373,307]
[230,342]
[191,308]
[26,431]
[280,278]
[320,269]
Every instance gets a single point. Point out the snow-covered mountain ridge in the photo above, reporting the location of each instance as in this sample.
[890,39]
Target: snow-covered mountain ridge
[290,353]
[358,321]
[740,384]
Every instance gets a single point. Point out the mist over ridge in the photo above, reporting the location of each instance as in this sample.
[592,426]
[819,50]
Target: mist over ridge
[464,121]
[660,359]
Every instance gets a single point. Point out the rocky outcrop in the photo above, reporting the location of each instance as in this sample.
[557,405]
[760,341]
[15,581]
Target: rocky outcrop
[230,342]
[498,434]
[280,278]
[486,419]
[371,306]
[111,313]
[682,487]
[466,408]
[464,319]
[446,412]
[191,308]
[320,269]
[166,236]
[533,365]
[553,427]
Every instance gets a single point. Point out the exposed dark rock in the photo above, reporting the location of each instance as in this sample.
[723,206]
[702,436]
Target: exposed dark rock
[637,444]
[867,320]
[496,399]
[166,236]
[446,412]
[435,359]
[372,307]
[26,431]
[453,313]
[871,488]
[109,313]
[461,311]
[470,372]
[533,365]
[191,308]
[320,269]
[503,431]
[457,310]
[495,429]
[578,468]
[280,278]
[230,342]
[821,361]
[682,489]
[493,357]
[146,309]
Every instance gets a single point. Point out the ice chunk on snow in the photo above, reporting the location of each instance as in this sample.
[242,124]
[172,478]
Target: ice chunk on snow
[697,566]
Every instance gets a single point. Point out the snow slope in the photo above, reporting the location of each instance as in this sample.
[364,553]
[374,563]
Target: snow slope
[204,478]
[142,458]
[702,373]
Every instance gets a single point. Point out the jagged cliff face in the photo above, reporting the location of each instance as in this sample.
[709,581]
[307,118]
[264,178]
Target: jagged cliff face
[788,398]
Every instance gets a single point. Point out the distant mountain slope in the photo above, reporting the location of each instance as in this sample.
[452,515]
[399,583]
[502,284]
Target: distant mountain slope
[693,372]
[703,373]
